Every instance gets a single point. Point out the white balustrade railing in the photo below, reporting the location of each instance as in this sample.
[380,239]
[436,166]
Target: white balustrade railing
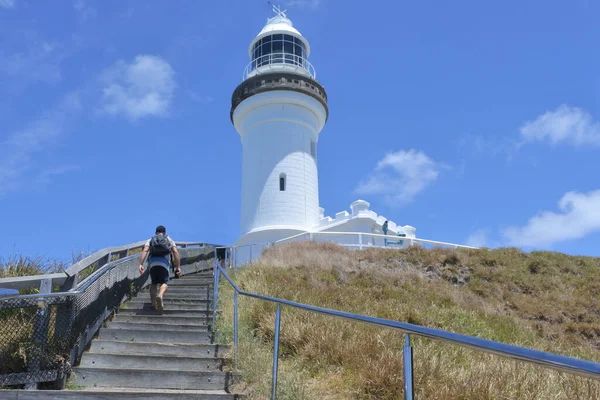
[279,62]
[239,255]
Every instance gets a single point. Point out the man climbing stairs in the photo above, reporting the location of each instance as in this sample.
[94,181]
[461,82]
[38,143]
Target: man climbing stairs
[160,355]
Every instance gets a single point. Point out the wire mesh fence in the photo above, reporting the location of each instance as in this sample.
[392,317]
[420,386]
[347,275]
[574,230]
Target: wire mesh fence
[42,336]
[32,340]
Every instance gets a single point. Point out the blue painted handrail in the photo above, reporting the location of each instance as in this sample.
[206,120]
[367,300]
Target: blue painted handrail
[588,369]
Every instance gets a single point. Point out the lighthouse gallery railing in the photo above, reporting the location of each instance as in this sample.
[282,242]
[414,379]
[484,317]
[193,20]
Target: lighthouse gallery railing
[280,62]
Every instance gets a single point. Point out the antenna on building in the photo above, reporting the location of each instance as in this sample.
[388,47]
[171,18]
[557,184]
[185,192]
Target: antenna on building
[277,10]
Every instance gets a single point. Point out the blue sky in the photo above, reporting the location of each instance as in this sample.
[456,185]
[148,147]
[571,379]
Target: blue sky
[481,120]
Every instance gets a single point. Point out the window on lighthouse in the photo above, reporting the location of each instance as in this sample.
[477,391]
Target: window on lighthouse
[313,149]
[278,48]
[282,182]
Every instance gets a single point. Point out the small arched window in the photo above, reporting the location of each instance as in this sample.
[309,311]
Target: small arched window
[282,182]
[313,149]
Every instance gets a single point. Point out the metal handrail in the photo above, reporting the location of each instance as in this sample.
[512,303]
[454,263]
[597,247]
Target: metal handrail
[390,240]
[376,235]
[89,280]
[279,59]
[588,369]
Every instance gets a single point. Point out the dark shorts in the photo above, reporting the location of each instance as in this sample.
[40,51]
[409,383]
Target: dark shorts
[159,275]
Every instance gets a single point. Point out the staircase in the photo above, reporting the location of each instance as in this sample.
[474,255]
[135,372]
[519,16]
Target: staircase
[143,354]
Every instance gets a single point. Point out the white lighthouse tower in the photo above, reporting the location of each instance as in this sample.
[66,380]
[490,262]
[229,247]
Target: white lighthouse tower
[279,110]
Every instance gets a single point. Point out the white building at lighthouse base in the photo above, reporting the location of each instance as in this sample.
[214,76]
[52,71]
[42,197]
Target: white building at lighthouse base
[361,228]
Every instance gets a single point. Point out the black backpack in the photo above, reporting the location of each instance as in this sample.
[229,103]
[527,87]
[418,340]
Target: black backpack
[160,246]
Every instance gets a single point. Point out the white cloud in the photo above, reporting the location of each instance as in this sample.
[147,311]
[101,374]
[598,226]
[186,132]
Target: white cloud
[400,176]
[7,3]
[31,59]
[45,178]
[140,89]
[488,146]
[200,99]
[565,124]
[479,238]
[18,150]
[85,12]
[579,216]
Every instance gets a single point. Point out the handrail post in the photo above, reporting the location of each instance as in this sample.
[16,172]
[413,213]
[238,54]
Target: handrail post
[40,333]
[408,369]
[235,329]
[276,352]
[215,291]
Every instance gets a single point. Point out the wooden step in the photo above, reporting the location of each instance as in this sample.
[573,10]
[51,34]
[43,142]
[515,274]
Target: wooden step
[152,362]
[166,306]
[114,393]
[158,349]
[157,379]
[155,336]
[160,319]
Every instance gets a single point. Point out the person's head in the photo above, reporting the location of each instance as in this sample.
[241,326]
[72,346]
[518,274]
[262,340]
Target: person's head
[161,230]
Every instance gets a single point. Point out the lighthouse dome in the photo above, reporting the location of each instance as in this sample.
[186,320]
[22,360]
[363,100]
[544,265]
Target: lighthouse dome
[279,24]
[279,47]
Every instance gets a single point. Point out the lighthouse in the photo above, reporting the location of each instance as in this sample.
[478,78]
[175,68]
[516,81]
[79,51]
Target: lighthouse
[279,110]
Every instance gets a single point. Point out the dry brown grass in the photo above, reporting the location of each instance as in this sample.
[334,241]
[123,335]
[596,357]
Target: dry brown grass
[16,323]
[541,300]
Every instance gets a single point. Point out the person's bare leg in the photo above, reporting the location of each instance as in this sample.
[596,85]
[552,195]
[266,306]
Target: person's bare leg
[163,290]
[159,298]
[153,290]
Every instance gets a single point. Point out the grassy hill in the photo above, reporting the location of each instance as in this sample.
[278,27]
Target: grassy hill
[541,300]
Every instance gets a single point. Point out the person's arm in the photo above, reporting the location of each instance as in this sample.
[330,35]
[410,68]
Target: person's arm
[176,258]
[143,258]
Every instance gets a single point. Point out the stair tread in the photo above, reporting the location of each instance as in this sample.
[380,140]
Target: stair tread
[191,345]
[158,327]
[149,390]
[158,379]
[144,299]
[154,347]
[152,371]
[189,319]
[96,353]
[166,312]
[138,329]
[161,320]
[179,296]
[158,335]
[104,393]
[180,307]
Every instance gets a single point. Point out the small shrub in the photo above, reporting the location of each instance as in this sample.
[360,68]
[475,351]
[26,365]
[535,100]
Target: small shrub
[451,259]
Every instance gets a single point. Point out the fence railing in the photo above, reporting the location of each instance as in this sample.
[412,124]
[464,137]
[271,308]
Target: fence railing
[362,240]
[240,255]
[280,61]
[73,276]
[42,335]
[557,362]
